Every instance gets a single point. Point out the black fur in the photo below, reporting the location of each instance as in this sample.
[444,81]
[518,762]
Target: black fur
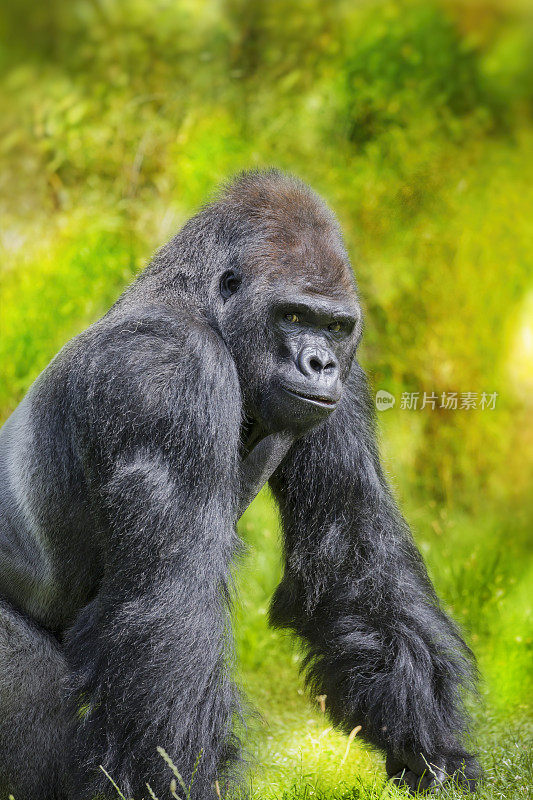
[122,475]
[355,589]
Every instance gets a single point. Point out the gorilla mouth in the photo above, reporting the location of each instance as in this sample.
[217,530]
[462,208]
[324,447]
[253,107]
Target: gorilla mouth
[315,399]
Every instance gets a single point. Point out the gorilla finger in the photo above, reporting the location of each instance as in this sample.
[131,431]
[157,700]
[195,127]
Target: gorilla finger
[466,783]
[418,763]
[436,775]
[431,783]
[406,778]
[394,766]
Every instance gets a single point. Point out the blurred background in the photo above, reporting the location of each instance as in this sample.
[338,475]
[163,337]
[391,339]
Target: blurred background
[118,118]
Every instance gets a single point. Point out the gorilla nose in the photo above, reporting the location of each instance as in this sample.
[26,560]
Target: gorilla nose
[315,362]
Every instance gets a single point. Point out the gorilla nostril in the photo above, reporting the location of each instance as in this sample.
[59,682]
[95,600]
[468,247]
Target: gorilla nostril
[316,365]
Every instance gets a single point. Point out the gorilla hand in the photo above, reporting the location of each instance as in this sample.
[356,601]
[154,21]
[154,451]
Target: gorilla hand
[421,774]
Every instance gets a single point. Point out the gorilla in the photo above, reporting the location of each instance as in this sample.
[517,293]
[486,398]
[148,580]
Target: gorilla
[227,363]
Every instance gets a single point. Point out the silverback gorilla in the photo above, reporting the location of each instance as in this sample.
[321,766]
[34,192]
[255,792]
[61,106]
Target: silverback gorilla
[229,362]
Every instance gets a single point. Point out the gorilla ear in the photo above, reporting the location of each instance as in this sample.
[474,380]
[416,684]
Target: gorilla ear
[229,283]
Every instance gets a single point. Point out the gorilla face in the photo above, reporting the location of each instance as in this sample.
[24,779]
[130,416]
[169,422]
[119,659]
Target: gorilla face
[293,347]
[312,343]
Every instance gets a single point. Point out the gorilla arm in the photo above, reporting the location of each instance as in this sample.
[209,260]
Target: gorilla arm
[149,652]
[356,590]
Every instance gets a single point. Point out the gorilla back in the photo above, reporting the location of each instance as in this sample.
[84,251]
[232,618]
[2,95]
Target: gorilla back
[49,552]
[229,362]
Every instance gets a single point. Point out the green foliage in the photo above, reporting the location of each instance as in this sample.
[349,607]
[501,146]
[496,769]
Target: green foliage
[403,66]
[415,120]
[57,303]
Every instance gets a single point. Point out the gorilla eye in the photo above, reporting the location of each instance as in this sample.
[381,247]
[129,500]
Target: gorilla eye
[335,327]
[292,318]
[229,283]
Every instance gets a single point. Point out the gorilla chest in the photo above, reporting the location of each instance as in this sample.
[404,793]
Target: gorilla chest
[258,466]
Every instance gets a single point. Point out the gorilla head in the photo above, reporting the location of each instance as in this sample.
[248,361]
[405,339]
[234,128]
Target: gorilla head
[281,293]
[287,308]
